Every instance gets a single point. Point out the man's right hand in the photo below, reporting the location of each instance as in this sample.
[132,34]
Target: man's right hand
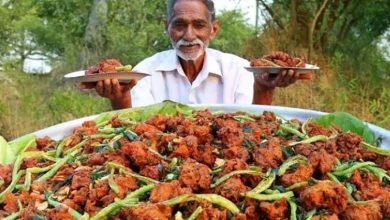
[117,93]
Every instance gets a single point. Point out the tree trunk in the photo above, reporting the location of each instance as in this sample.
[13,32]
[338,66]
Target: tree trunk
[94,37]
[312,28]
[293,22]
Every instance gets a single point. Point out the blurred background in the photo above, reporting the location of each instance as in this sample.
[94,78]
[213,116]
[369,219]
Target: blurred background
[41,40]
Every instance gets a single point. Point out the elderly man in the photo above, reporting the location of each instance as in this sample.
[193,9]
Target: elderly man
[191,72]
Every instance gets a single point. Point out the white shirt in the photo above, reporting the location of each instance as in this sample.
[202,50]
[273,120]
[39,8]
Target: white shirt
[222,79]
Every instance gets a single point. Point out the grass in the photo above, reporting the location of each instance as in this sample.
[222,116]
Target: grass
[32,102]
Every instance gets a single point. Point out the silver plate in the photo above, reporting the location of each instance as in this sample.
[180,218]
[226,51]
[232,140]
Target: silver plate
[125,76]
[60,131]
[272,69]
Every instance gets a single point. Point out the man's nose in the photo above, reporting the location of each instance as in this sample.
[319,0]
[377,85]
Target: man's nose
[190,34]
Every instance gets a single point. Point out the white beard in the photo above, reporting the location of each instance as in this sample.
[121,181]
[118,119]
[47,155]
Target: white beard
[193,55]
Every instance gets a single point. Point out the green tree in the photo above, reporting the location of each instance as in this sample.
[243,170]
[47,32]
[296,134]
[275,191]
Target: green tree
[234,32]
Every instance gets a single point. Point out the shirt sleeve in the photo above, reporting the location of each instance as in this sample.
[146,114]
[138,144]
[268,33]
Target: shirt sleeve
[141,93]
[244,92]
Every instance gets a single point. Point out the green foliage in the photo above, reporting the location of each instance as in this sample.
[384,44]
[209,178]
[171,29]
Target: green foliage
[234,32]
[67,104]
[347,123]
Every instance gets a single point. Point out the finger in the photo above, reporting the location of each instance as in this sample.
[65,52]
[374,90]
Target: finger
[126,87]
[87,85]
[116,88]
[285,79]
[278,81]
[100,88]
[107,87]
[306,76]
[264,80]
[291,77]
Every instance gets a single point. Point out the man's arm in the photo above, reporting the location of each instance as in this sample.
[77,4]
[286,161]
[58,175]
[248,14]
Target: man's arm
[125,102]
[265,84]
[262,95]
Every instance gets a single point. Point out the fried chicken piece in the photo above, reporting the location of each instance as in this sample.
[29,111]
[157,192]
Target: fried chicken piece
[321,161]
[210,213]
[302,173]
[325,217]
[370,211]
[139,154]
[108,65]
[150,211]
[165,191]
[195,175]
[270,156]
[276,210]
[232,189]
[325,194]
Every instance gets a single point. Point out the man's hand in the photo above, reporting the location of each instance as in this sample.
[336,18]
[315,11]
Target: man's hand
[284,79]
[266,83]
[118,93]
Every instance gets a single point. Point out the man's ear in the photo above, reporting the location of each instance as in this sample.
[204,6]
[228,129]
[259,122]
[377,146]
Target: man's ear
[215,29]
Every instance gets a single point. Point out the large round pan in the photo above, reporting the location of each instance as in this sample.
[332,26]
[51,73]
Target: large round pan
[61,130]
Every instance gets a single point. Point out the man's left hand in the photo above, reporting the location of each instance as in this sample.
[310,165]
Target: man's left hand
[270,81]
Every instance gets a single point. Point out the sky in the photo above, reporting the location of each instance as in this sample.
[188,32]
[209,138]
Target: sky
[246,6]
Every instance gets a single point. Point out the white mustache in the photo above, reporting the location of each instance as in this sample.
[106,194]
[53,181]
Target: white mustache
[183,42]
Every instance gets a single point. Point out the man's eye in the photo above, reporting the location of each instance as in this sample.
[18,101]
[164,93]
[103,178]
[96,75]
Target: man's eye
[178,24]
[199,25]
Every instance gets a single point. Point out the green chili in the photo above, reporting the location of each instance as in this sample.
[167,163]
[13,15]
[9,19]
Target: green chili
[298,159]
[291,130]
[127,172]
[377,150]
[130,200]
[293,209]
[352,168]
[236,172]
[60,147]
[104,136]
[212,198]
[265,183]
[71,211]
[379,172]
[56,167]
[195,214]
[311,140]
[243,118]
[76,147]
[297,185]
[333,177]
[310,214]
[12,185]
[113,140]
[179,216]
[112,183]
[263,197]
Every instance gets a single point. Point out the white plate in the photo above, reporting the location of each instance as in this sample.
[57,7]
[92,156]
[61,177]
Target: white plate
[273,69]
[124,76]
[60,131]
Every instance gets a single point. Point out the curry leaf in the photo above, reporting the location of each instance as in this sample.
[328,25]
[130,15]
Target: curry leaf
[348,123]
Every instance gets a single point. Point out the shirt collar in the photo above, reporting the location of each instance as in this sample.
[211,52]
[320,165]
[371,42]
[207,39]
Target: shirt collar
[171,62]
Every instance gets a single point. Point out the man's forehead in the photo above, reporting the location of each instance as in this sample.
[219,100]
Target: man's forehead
[190,10]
